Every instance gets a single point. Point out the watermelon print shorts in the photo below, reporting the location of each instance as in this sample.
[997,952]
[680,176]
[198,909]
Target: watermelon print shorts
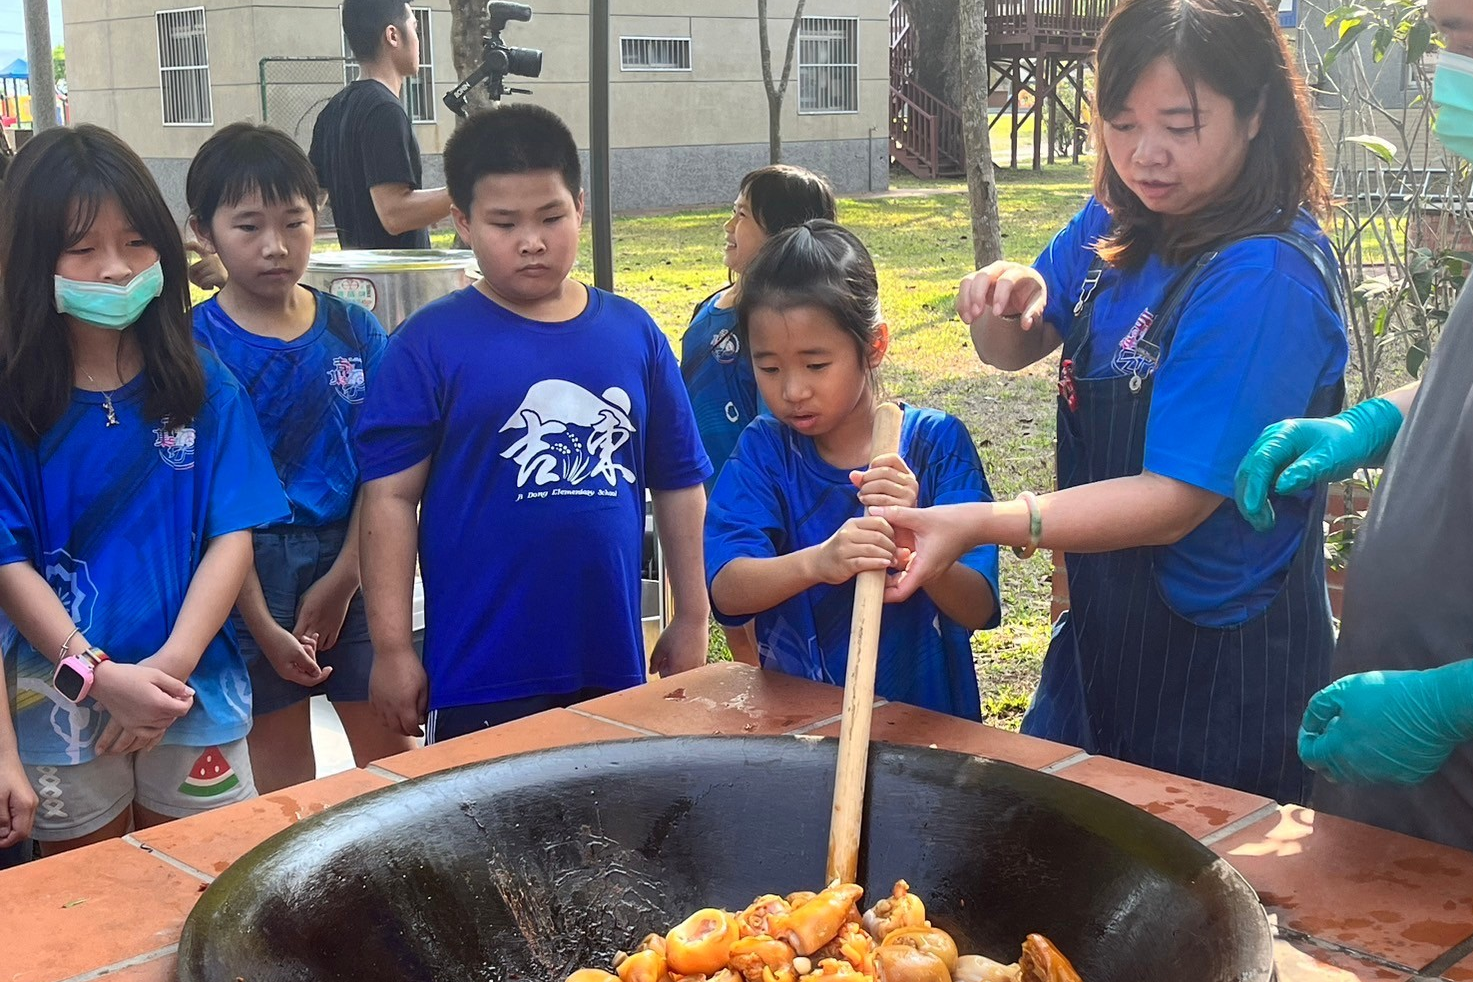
[79,799]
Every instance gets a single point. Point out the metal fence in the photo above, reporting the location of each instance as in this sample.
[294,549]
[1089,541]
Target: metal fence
[294,90]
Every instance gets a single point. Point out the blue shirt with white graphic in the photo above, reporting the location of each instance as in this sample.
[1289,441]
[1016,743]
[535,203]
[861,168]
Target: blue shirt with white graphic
[543,439]
[1258,341]
[778,495]
[117,518]
[719,377]
[306,393]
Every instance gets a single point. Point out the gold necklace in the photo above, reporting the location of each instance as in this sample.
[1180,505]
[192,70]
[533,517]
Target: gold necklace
[107,401]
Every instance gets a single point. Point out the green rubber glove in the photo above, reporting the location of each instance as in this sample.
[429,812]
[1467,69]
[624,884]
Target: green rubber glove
[1396,727]
[1300,453]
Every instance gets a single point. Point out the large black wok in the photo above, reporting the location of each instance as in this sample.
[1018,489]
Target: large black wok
[530,866]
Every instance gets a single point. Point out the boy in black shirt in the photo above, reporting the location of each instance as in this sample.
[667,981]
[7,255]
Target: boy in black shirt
[363,146]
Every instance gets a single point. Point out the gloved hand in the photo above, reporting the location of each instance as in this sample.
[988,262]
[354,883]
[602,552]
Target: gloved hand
[1299,453]
[1396,727]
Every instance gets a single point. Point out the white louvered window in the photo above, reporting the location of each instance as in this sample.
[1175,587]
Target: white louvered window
[643,54]
[184,67]
[418,94]
[828,65]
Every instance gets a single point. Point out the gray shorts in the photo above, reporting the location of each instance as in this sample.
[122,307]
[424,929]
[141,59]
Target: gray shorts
[79,799]
[288,561]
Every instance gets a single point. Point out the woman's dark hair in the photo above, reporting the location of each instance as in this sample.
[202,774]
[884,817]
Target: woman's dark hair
[1236,48]
[364,22]
[51,197]
[244,158]
[514,139]
[782,196]
[817,264]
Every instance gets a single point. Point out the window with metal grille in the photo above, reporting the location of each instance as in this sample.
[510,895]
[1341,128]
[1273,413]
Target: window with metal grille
[828,65]
[418,94]
[637,54]
[184,67]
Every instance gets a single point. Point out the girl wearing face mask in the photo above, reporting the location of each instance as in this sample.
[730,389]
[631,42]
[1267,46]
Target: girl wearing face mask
[131,472]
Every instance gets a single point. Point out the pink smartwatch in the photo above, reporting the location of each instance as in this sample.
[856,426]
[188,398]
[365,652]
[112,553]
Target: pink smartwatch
[76,673]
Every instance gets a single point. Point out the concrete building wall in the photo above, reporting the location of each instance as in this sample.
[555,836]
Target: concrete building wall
[678,137]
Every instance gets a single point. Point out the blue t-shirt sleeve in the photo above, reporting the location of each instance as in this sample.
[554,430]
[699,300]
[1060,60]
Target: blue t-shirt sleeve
[17,527]
[373,337]
[1065,261]
[952,474]
[202,334]
[744,518]
[675,458]
[401,421]
[245,491]
[1254,344]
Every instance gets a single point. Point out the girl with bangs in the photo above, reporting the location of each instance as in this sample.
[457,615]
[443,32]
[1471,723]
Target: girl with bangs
[1193,300]
[131,473]
[791,521]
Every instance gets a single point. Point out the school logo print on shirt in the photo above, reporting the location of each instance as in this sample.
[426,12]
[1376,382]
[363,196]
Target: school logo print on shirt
[725,346]
[1131,358]
[346,377]
[176,447]
[569,437]
[72,581]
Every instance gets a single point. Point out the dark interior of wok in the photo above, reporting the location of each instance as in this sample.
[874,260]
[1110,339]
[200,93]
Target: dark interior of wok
[531,866]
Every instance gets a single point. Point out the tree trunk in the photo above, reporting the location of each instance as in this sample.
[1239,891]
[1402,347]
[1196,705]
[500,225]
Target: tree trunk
[467,27]
[776,90]
[981,180]
[774,128]
[42,70]
[938,69]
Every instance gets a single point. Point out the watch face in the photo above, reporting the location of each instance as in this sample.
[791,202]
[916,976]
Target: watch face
[69,682]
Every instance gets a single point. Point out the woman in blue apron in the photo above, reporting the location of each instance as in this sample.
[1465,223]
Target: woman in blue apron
[1195,299]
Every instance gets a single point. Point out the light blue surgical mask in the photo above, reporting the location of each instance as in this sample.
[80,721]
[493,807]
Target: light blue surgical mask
[1452,94]
[109,305]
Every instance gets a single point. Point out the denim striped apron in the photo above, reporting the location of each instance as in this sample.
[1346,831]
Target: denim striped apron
[1128,677]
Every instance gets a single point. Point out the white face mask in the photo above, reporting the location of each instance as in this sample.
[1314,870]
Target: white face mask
[109,305]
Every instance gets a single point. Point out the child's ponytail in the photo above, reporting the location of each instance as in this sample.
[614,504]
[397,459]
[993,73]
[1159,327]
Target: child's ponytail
[816,264]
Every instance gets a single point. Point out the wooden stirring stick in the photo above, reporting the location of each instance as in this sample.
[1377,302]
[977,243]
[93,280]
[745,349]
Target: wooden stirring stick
[859,687]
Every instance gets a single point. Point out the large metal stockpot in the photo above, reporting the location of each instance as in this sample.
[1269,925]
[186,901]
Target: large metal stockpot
[527,867]
[393,283]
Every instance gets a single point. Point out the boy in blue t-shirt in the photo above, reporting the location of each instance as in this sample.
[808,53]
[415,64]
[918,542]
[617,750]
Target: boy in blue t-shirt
[512,432]
[306,359]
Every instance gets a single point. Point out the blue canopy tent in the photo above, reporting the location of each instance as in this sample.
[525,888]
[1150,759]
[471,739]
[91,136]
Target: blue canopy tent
[11,77]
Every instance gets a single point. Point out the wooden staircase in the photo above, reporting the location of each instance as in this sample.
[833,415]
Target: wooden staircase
[925,132]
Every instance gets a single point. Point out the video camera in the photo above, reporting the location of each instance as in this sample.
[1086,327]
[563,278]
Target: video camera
[498,59]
